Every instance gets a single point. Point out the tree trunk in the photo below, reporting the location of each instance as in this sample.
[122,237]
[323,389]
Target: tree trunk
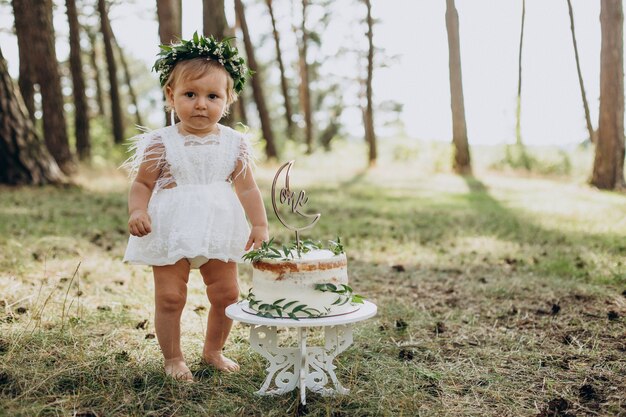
[116,107]
[169,13]
[24,159]
[215,24]
[49,80]
[520,155]
[214,19]
[283,79]
[608,167]
[81,111]
[592,135]
[331,130]
[518,112]
[257,87]
[305,90]
[370,134]
[462,163]
[93,57]
[127,79]
[239,110]
[24,30]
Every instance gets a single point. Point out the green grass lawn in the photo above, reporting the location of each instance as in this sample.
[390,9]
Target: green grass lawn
[498,296]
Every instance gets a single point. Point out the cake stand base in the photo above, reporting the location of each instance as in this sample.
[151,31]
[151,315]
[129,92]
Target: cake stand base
[303,366]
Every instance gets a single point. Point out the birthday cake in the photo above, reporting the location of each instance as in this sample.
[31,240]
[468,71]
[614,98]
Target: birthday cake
[300,279]
[314,284]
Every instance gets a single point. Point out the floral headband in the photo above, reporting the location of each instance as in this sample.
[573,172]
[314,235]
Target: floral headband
[200,47]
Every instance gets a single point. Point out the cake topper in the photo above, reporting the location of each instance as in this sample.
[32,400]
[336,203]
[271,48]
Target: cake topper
[294,202]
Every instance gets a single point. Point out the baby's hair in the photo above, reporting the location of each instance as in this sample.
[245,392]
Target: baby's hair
[193,69]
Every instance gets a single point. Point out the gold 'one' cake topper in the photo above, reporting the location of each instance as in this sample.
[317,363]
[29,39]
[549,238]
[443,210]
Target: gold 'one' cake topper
[295,203]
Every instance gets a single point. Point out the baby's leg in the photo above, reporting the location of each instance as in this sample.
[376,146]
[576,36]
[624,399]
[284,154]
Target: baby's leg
[222,289]
[170,294]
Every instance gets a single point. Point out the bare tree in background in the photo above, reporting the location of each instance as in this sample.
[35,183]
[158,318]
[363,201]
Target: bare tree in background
[127,78]
[93,59]
[81,110]
[24,159]
[592,136]
[214,19]
[368,112]
[23,15]
[305,88]
[116,106]
[517,155]
[608,166]
[462,164]
[518,112]
[169,13]
[240,105]
[215,24]
[43,58]
[283,78]
[257,86]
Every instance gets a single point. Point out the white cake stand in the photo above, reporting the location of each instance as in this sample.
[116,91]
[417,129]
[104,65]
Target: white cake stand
[302,366]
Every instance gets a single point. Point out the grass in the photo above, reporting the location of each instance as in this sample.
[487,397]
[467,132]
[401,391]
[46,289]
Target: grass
[498,296]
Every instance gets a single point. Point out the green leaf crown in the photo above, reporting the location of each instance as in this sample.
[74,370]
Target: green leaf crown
[203,47]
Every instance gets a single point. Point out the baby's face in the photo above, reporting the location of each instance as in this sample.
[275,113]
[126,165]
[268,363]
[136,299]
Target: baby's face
[200,103]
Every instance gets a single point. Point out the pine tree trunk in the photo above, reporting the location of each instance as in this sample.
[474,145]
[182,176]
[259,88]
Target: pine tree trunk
[116,106]
[521,157]
[93,59]
[608,167]
[49,80]
[214,19]
[169,13]
[518,112]
[215,24]
[305,90]
[238,110]
[24,28]
[370,134]
[257,87]
[24,159]
[592,135]
[283,78]
[127,78]
[81,111]
[462,163]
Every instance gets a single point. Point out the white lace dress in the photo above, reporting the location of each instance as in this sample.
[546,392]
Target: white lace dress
[194,210]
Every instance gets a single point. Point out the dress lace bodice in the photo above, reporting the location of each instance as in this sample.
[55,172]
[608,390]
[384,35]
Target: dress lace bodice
[189,159]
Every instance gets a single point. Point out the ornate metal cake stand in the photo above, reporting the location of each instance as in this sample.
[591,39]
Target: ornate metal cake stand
[303,366]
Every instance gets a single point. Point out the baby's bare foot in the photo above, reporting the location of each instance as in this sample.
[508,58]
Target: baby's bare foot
[177,369]
[220,361]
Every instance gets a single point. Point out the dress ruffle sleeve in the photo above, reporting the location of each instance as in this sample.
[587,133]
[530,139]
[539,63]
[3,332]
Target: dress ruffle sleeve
[245,154]
[148,148]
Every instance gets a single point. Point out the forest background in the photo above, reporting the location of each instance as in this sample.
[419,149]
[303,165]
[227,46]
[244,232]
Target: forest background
[460,150]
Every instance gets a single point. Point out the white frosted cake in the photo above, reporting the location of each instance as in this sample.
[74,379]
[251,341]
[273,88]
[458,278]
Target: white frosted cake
[314,285]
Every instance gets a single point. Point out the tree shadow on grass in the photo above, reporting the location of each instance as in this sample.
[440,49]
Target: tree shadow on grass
[521,228]
[387,217]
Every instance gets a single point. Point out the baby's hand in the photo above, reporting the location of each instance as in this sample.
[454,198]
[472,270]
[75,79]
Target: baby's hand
[258,235]
[139,223]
